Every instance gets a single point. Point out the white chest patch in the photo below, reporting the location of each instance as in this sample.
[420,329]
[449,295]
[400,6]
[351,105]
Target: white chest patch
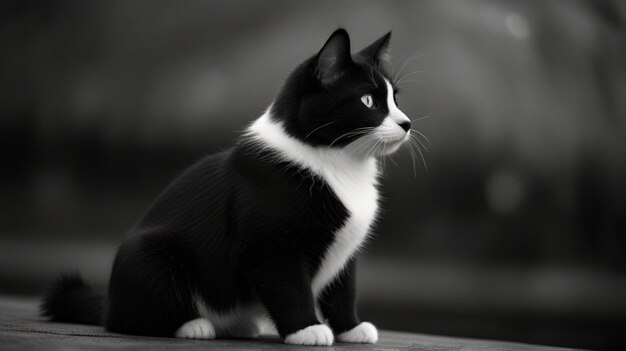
[352,180]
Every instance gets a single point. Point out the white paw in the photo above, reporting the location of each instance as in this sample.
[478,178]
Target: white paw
[318,334]
[364,333]
[199,328]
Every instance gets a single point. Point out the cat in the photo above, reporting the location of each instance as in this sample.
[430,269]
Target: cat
[267,230]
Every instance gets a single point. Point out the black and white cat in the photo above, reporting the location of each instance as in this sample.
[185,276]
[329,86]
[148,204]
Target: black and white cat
[268,230]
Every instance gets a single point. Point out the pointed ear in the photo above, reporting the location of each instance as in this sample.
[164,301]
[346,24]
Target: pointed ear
[378,51]
[334,56]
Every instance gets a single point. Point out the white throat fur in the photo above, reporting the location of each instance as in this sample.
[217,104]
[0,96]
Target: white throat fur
[353,181]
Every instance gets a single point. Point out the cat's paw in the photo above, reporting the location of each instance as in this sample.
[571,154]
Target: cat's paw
[318,334]
[199,328]
[364,333]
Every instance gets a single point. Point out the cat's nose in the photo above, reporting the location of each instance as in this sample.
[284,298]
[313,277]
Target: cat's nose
[406,125]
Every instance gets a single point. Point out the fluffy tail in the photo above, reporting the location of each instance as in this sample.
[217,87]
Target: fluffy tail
[71,300]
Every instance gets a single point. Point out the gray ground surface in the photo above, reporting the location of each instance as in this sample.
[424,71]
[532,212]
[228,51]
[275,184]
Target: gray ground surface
[22,329]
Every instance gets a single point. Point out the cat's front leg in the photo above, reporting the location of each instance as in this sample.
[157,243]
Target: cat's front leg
[338,305]
[285,290]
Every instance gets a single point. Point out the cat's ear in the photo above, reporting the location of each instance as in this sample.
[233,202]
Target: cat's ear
[378,52]
[333,57]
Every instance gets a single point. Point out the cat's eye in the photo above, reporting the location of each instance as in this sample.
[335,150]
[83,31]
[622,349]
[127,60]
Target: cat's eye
[367,100]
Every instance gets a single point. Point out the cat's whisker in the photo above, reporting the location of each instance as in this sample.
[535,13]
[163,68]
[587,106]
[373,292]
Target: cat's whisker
[422,135]
[345,135]
[393,69]
[373,146]
[393,160]
[421,143]
[402,61]
[401,80]
[371,76]
[356,146]
[363,148]
[353,146]
[369,147]
[318,128]
[413,156]
[406,62]
[354,132]
[422,156]
[382,144]
[383,147]
[420,118]
[404,82]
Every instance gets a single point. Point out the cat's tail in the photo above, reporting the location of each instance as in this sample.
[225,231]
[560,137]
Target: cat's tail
[71,300]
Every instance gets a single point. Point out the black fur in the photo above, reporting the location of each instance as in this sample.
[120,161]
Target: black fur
[241,226]
[306,102]
[71,300]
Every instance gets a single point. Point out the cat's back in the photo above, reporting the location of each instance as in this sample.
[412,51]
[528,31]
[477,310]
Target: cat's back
[195,199]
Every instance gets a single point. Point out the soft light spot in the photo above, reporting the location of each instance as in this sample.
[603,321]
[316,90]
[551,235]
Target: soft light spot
[517,25]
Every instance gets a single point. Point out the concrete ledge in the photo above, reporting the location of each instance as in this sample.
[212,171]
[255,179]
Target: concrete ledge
[21,328]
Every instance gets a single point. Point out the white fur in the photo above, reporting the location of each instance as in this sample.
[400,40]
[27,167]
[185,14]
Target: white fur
[352,179]
[364,333]
[199,328]
[392,134]
[241,322]
[318,334]
[394,112]
[389,131]
[351,173]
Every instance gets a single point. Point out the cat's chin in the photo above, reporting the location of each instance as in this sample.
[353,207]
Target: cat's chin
[391,146]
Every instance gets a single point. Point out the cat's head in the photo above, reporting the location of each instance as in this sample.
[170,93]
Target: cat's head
[339,100]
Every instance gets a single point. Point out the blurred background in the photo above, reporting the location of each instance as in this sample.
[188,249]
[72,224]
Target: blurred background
[515,231]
